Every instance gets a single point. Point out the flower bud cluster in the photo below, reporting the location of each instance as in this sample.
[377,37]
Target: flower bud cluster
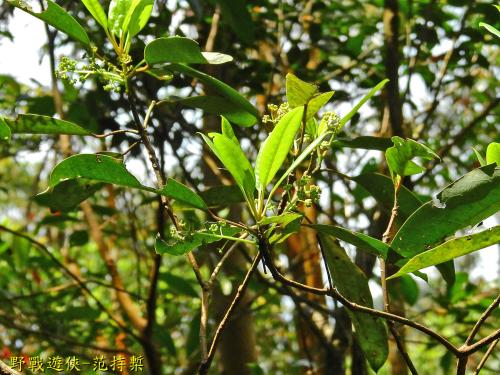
[331,122]
[276,113]
[307,192]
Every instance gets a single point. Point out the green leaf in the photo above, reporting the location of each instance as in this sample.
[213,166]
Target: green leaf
[364,143]
[493,153]
[298,92]
[399,157]
[177,49]
[490,28]
[95,167]
[467,201]
[222,195]
[137,16]
[317,102]
[276,147]
[218,105]
[181,193]
[382,189]
[479,157]
[299,159]
[367,97]
[95,8]
[192,241]
[226,91]
[227,130]
[360,240]
[451,249]
[4,130]
[283,219]
[117,12]
[351,282]
[67,194]
[232,157]
[37,124]
[57,17]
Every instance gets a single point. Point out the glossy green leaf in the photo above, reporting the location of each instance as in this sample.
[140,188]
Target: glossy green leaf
[4,130]
[298,160]
[226,91]
[37,124]
[192,241]
[479,157]
[283,219]
[360,240]
[382,189]
[218,105]
[367,97]
[94,167]
[177,49]
[227,130]
[57,17]
[232,157]
[67,194]
[137,16]
[467,201]
[181,193]
[117,12]
[95,8]
[493,153]
[298,92]
[317,102]
[277,146]
[490,28]
[451,249]
[351,282]
[399,157]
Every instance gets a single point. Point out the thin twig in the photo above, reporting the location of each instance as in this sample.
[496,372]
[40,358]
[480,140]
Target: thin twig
[205,365]
[485,357]
[335,294]
[482,319]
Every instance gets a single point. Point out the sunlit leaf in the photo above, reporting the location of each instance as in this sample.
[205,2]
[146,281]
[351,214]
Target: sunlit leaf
[181,193]
[277,146]
[493,153]
[232,157]
[451,249]
[95,8]
[399,157]
[57,17]
[177,49]
[37,124]
[298,92]
[467,201]
[367,97]
[137,16]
